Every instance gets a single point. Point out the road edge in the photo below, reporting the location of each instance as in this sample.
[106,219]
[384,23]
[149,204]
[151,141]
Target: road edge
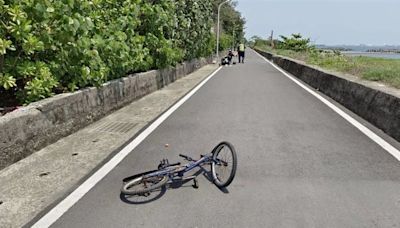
[366,131]
[53,212]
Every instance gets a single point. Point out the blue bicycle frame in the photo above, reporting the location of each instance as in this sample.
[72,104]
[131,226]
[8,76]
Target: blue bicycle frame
[171,169]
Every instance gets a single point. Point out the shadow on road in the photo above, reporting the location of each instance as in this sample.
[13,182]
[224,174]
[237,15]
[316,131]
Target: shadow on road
[207,174]
[158,193]
[141,199]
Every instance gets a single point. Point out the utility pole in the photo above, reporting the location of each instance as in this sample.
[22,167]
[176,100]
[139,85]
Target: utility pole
[219,10]
[272,39]
[233,41]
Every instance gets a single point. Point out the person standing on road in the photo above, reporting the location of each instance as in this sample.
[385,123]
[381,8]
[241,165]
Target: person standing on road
[241,49]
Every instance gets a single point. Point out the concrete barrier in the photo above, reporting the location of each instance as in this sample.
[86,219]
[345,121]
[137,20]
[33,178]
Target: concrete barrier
[39,124]
[377,105]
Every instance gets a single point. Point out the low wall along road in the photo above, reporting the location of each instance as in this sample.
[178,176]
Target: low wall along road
[378,106]
[41,123]
[31,128]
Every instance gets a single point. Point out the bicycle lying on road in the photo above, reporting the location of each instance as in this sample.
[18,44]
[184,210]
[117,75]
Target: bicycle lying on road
[223,161]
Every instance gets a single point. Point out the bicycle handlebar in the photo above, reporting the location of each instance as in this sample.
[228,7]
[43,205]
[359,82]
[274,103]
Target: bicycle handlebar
[186,157]
[178,163]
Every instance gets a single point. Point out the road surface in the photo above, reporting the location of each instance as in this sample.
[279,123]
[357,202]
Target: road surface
[299,163]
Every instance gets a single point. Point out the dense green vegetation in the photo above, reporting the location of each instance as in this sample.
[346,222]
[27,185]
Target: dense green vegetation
[232,24]
[296,47]
[48,46]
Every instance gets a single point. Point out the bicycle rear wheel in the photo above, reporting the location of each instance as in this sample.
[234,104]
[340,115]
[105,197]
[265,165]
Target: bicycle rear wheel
[142,185]
[224,164]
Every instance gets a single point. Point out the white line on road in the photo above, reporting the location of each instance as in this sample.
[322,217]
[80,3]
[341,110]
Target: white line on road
[374,137]
[55,213]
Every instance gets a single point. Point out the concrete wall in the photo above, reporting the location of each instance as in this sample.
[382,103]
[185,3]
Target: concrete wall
[377,106]
[31,128]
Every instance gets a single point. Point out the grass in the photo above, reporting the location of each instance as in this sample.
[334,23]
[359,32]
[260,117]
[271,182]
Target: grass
[368,68]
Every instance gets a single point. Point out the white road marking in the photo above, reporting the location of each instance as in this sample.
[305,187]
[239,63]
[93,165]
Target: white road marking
[54,214]
[374,137]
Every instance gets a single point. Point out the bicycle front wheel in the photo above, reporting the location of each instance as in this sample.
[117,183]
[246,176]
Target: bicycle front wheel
[224,164]
[142,185]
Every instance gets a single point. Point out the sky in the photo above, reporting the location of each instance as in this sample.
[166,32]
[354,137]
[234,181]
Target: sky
[330,22]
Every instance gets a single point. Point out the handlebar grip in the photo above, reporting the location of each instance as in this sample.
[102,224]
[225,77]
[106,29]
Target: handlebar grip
[186,157]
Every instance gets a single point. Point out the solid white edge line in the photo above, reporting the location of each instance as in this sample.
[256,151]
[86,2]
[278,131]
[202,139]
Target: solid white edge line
[55,213]
[374,137]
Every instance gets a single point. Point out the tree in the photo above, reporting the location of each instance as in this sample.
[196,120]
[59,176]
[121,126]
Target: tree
[295,43]
[232,21]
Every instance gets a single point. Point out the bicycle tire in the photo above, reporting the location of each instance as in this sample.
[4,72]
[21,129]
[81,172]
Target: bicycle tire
[126,188]
[221,183]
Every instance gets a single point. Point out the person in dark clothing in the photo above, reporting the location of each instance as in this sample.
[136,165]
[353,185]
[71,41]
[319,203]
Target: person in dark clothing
[230,56]
[227,60]
[241,49]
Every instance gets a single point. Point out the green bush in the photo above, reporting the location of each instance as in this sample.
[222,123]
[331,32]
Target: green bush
[295,43]
[225,42]
[48,45]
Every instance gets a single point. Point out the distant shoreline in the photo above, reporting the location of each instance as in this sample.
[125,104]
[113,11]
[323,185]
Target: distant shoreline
[386,55]
[396,51]
[361,48]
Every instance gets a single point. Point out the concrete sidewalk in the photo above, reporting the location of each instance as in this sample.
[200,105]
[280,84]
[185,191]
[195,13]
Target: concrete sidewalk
[32,184]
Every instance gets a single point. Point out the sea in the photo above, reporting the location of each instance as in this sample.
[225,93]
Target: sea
[385,55]
[364,50]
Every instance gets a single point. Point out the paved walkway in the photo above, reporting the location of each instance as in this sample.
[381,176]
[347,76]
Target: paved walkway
[299,163]
[34,183]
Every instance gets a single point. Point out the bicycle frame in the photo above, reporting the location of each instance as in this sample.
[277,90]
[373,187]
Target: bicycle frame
[188,166]
[174,173]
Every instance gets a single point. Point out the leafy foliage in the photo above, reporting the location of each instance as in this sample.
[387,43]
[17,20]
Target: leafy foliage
[232,24]
[225,42]
[48,45]
[7,81]
[296,43]
[257,41]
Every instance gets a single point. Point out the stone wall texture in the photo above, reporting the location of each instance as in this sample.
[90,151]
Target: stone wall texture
[39,124]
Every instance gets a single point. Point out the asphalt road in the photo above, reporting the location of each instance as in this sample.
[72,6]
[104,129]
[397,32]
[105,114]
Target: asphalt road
[299,163]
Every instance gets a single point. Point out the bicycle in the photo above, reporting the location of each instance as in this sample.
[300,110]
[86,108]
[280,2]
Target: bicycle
[221,158]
